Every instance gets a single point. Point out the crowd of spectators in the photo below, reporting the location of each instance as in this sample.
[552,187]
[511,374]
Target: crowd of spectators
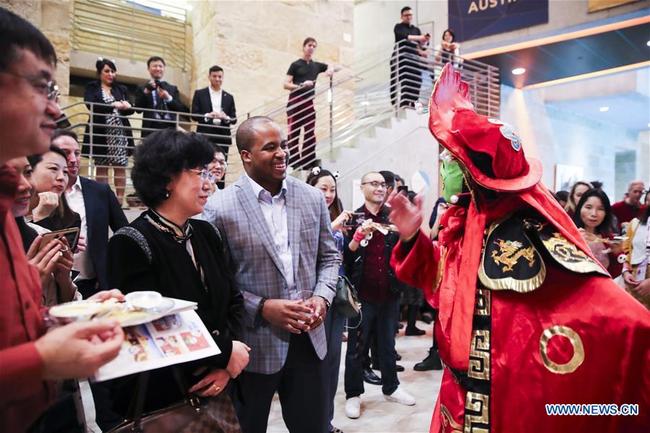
[615,232]
[109,139]
[263,259]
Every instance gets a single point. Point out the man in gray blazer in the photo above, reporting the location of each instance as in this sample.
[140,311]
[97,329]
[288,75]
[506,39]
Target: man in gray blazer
[286,265]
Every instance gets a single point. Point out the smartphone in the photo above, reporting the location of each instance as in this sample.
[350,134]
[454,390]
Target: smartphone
[71,234]
[356,219]
[403,189]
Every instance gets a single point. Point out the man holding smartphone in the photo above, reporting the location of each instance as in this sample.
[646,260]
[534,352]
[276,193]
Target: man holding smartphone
[406,66]
[366,258]
[159,98]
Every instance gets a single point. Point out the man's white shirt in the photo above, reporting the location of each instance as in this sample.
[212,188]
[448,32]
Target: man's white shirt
[82,262]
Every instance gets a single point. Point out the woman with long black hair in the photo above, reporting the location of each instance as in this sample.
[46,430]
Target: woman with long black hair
[325,181]
[593,216]
[108,138]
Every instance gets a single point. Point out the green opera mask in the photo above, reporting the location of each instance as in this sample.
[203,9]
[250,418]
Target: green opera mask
[452,178]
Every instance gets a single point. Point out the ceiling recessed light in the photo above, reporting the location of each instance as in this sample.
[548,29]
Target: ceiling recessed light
[604,109]
[648,43]
[518,71]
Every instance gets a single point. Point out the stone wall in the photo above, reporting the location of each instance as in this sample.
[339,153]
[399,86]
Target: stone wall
[256,41]
[54,19]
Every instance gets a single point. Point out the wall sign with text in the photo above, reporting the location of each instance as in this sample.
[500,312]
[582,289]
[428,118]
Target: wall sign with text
[471,19]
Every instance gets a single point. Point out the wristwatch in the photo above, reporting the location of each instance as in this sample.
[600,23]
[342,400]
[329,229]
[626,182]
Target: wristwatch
[260,307]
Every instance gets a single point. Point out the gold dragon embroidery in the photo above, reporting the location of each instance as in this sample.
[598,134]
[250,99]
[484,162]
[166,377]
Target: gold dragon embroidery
[510,252]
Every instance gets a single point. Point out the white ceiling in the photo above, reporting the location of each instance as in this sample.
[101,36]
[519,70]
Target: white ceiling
[626,94]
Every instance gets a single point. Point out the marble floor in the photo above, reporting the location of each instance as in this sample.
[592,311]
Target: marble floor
[378,415]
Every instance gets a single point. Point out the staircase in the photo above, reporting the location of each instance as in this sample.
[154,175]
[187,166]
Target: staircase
[358,127]
[356,103]
[402,144]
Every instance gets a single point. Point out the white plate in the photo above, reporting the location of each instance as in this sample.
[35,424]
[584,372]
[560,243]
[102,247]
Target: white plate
[143,300]
[133,318]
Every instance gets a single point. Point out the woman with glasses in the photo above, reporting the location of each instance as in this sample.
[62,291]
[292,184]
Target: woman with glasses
[167,251]
[108,139]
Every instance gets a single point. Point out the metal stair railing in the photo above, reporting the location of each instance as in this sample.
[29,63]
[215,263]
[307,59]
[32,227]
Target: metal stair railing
[346,106]
[354,101]
[94,135]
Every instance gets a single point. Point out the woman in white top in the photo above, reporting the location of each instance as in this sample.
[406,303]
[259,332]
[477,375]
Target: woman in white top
[636,270]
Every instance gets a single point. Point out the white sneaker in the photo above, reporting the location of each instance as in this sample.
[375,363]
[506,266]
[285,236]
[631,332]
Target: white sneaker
[400,396]
[353,407]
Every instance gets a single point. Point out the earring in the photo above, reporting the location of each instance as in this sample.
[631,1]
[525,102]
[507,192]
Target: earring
[166,195]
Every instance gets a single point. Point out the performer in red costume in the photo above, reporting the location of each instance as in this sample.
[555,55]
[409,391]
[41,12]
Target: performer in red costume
[527,317]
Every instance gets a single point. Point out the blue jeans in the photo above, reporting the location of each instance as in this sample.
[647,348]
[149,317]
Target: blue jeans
[382,318]
[334,324]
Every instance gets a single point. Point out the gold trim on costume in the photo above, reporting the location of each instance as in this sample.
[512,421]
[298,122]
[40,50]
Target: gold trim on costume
[441,268]
[483,304]
[578,349]
[510,253]
[478,403]
[448,420]
[569,255]
[479,355]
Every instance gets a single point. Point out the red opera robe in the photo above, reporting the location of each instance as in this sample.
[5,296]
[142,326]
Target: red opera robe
[577,338]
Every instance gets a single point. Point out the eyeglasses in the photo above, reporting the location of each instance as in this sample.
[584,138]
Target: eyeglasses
[49,89]
[205,175]
[375,184]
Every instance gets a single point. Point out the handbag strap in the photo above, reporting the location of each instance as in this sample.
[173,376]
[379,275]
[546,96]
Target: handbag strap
[141,395]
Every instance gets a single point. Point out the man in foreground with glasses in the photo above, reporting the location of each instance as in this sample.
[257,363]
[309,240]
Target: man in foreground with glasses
[367,265]
[29,358]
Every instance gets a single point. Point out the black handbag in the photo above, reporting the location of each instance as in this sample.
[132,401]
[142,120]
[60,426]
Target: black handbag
[188,416]
[346,300]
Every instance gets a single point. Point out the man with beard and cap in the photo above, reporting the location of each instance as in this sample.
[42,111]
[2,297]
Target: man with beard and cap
[527,316]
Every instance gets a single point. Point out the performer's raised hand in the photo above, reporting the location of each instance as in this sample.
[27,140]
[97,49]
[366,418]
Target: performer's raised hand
[405,215]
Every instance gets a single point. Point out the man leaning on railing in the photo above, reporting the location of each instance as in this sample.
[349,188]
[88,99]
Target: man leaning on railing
[214,109]
[301,115]
[406,67]
[159,98]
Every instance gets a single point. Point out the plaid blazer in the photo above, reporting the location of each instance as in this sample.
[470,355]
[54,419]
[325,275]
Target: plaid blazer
[258,270]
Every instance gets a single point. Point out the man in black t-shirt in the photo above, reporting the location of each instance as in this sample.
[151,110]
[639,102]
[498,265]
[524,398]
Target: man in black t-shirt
[301,80]
[406,65]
